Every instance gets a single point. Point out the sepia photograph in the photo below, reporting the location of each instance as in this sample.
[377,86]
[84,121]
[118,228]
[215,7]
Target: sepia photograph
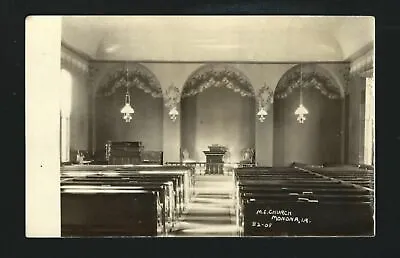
[200,126]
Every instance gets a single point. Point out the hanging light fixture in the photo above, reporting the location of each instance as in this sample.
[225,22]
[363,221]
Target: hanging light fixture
[127,110]
[301,111]
[173,114]
[262,113]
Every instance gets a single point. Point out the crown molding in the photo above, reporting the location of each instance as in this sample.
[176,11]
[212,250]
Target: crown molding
[363,64]
[361,52]
[367,73]
[75,51]
[74,61]
[216,62]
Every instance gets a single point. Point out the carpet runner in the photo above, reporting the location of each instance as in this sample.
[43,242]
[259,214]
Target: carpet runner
[210,213]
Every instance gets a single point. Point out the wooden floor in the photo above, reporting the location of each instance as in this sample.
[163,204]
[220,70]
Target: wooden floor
[210,212]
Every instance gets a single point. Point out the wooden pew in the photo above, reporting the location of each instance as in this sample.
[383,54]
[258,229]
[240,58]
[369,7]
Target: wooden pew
[185,184]
[176,179]
[110,212]
[141,176]
[185,187]
[293,202]
[298,190]
[350,174]
[336,218]
[165,190]
[359,166]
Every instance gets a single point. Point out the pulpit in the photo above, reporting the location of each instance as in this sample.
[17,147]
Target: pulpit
[214,159]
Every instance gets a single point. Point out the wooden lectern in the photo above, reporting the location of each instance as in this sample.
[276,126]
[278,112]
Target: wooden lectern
[214,159]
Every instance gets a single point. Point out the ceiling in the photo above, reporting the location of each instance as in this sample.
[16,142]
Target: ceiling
[218,38]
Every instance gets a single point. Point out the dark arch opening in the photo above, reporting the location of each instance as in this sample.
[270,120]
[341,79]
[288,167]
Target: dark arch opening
[146,99]
[318,140]
[217,107]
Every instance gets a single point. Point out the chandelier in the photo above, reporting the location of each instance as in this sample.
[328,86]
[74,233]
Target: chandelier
[173,114]
[301,111]
[127,110]
[261,114]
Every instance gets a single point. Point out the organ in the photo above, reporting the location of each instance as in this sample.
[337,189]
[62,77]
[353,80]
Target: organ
[133,153]
[120,153]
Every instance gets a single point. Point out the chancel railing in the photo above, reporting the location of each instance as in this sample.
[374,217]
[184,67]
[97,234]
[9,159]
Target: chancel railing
[201,167]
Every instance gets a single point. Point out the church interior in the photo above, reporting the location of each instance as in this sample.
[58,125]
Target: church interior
[213,126]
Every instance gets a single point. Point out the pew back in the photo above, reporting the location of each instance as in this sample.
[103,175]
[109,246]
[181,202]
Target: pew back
[116,212]
[292,201]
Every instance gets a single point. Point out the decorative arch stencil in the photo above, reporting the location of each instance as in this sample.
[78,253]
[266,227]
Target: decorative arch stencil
[217,76]
[265,96]
[172,96]
[138,76]
[313,76]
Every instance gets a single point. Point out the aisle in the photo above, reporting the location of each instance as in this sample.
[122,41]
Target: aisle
[210,213]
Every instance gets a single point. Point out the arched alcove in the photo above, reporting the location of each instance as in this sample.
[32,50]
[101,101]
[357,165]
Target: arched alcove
[217,107]
[146,98]
[318,139]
